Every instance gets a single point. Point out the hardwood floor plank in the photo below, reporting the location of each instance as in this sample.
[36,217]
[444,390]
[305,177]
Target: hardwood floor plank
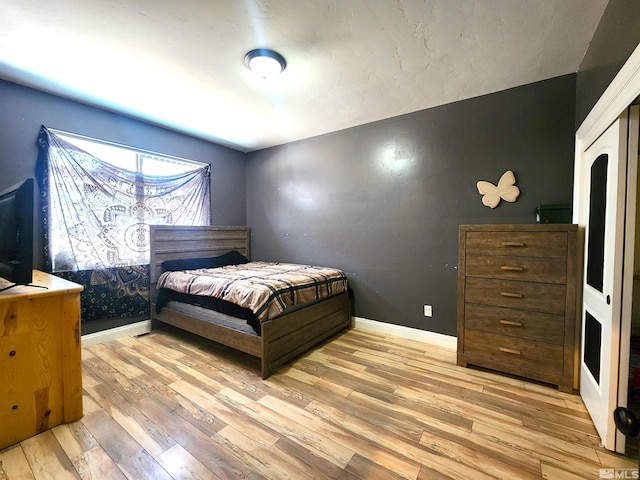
[554,473]
[108,375]
[583,470]
[159,354]
[171,341]
[414,453]
[299,374]
[616,460]
[205,421]
[47,458]
[526,408]
[126,453]
[427,473]
[362,376]
[364,468]
[146,364]
[87,379]
[227,370]
[391,418]
[475,379]
[321,356]
[546,395]
[248,384]
[181,465]
[343,434]
[126,368]
[14,464]
[541,405]
[569,434]
[550,451]
[281,422]
[425,416]
[95,464]
[305,460]
[259,433]
[497,462]
[457,406]
[74,438]
[89,404]
[356,382]
[259,458]
[132,420]
[203,448]
[388,371]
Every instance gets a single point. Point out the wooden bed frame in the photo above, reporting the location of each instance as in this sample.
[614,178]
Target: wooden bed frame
[283,338]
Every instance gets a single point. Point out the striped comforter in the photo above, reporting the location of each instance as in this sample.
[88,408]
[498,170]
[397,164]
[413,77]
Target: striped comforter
[265,288]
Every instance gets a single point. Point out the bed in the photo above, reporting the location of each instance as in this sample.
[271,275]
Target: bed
[281,338]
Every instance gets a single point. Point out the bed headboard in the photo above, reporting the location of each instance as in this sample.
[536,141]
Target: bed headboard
[177,242]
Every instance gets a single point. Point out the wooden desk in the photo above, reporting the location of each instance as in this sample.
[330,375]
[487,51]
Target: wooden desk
[40,364]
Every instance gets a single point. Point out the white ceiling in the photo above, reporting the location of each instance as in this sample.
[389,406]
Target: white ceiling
[180,64]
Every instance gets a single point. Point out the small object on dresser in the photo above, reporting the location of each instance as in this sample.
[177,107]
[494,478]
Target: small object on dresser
[553,213]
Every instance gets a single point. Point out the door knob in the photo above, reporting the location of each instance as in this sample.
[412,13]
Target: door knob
[626,421]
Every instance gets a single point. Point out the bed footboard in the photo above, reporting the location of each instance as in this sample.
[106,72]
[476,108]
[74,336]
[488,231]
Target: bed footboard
[288,336]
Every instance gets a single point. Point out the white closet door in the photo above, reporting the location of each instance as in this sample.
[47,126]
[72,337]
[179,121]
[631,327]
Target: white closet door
[603,212]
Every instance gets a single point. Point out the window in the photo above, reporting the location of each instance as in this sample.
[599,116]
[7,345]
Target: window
[128,158]
[100,199]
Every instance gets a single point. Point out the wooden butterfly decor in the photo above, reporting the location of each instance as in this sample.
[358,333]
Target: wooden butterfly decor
[506,190]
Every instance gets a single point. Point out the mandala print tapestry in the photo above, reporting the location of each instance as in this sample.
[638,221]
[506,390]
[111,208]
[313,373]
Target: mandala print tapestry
[98,215]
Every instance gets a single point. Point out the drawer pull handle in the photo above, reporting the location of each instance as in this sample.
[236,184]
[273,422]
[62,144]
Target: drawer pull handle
[510,268]
[513,244]
[511,295]
[510,350]
[510,323]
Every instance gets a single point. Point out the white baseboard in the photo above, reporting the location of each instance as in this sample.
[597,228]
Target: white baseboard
[137,328]
[432,338]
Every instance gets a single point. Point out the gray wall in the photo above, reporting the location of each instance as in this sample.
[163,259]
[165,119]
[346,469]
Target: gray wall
[615,39]
[383,201]
[24,110]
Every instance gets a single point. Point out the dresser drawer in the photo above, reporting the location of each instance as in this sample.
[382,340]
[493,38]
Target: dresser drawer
[530,244]
[515,352]
[531,269]
[539,297]
[541,327]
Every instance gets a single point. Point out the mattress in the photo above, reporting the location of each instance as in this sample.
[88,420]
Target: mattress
[265,288]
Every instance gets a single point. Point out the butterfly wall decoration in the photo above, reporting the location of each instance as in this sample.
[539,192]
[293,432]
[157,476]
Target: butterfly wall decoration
[505,190]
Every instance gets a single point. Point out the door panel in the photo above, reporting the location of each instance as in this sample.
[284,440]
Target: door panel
[597,210]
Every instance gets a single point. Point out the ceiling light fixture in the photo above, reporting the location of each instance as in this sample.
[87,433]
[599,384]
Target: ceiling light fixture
[265,62]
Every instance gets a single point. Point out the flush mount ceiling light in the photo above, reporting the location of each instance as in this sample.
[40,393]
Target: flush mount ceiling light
[265,62]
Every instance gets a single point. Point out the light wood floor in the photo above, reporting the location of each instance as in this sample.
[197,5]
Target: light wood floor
[362,405]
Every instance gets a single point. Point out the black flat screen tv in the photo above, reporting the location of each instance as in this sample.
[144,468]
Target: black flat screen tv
[16,233]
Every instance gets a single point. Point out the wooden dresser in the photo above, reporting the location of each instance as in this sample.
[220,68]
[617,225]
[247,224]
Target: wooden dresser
[40,369]
[518,300]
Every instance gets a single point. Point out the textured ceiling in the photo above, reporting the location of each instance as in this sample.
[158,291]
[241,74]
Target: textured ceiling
[180,63]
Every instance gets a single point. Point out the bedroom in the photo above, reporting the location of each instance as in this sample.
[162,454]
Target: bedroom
[399,253]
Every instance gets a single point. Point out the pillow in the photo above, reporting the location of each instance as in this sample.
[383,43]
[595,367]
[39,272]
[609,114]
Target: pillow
[231,258]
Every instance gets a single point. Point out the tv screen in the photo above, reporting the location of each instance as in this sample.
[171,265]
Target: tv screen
[16,232]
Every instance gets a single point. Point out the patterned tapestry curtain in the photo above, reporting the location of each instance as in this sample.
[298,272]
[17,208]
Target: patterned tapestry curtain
[97,216]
